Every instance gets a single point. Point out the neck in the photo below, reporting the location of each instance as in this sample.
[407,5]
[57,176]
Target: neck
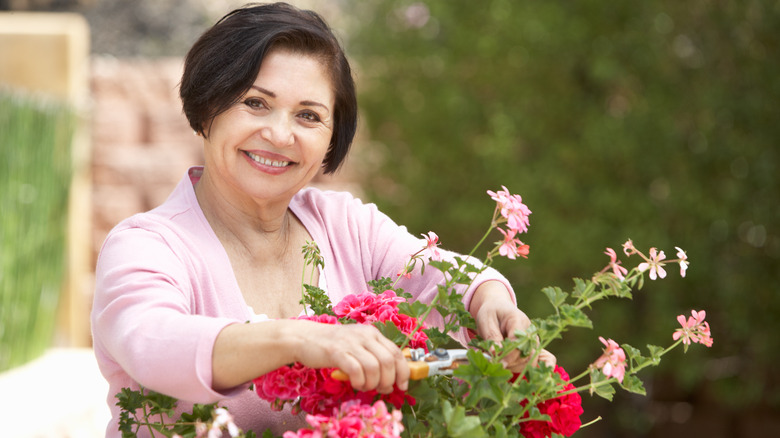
[237,221]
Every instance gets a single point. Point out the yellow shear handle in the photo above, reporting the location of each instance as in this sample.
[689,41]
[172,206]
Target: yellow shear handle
[417,371]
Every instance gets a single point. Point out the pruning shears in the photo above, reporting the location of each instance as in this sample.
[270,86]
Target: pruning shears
[437,362]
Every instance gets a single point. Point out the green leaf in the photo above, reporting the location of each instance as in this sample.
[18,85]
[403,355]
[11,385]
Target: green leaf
[486,379]
[655,353]
[580,286]
[555,295]
[381,285]
[631,383]
[456,422]
[597,385]
[441,265]
[575,317]
[390,331]
[160,404]
[200,412]
[635,357]
[129,400]
[414,308]
[436,336]
[499,430]
[318,300]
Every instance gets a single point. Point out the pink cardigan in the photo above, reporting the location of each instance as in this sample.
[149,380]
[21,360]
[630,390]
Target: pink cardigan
[165,289]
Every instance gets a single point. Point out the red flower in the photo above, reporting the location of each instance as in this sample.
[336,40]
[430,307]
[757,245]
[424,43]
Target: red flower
[315,390]
[356,307]
[564,412]
[286,383]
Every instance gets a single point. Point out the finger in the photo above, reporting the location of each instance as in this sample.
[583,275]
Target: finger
[400,367]
[488,328]
[351,366]
[402,373]
[548,358]
[513,322]
[515,361]
[385,372]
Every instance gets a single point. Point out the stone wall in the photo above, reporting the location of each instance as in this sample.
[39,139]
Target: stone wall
[141,142]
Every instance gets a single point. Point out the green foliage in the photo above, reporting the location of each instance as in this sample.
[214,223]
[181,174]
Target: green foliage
[35,142]
[317,300]
[614,120]
[474,394]
[145,409]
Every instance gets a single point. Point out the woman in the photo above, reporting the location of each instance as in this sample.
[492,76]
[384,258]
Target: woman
[270,92]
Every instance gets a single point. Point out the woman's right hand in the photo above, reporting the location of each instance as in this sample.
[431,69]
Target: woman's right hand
[369,359]
[244,351]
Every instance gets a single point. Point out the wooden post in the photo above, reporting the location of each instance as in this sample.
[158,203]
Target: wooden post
[48,54]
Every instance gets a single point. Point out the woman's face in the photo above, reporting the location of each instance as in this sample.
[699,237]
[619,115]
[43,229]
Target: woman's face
[271,143]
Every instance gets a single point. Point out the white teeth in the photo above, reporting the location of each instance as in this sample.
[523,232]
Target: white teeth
[266,161]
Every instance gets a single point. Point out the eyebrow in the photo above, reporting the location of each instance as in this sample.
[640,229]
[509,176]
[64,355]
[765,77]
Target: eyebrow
[303,102]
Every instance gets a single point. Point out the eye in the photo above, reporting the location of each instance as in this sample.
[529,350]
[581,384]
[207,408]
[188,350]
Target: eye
[310,116]
[255,103]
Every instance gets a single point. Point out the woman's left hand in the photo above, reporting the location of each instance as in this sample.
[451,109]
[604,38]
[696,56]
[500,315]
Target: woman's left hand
[498,318]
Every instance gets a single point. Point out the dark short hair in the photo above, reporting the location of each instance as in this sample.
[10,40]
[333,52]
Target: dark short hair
[223,64]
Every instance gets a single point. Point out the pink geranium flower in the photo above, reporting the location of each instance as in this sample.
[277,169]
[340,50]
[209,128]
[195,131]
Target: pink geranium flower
[431,246]
[628,247]
[613,361]
[694,329]
[683,260]
[405,271]
[501,197]
[512,209]
[654,264]
[353,419]
[614,264]
[511,247]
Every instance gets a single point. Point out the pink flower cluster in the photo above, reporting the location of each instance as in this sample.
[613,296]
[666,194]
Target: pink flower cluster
[654,263]
[315,391]
[368,307]
[695,329]
[564,412]
[613,362]
[515,214]
[353,420]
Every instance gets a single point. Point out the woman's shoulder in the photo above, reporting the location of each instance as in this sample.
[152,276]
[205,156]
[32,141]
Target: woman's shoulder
[178,215]
[173,226]
[329,202]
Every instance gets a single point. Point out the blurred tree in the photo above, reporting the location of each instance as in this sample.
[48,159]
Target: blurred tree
[614,120]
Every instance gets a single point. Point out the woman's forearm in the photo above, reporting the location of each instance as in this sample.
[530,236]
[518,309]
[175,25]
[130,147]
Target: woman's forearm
[243,352]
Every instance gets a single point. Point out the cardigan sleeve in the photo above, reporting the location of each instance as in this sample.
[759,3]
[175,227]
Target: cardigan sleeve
[144,318]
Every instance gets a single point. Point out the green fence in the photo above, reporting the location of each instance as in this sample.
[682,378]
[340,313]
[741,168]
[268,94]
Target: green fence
[35,140]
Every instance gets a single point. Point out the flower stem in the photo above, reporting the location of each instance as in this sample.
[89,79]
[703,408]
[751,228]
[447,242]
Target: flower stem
[420,321]
[484,236]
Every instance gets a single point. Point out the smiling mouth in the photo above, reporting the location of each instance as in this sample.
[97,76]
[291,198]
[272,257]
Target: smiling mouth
[267,162]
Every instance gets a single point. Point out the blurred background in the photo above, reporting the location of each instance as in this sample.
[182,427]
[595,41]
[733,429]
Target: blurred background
[648,120]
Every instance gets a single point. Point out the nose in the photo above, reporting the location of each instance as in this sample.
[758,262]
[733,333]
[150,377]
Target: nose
[277,130]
